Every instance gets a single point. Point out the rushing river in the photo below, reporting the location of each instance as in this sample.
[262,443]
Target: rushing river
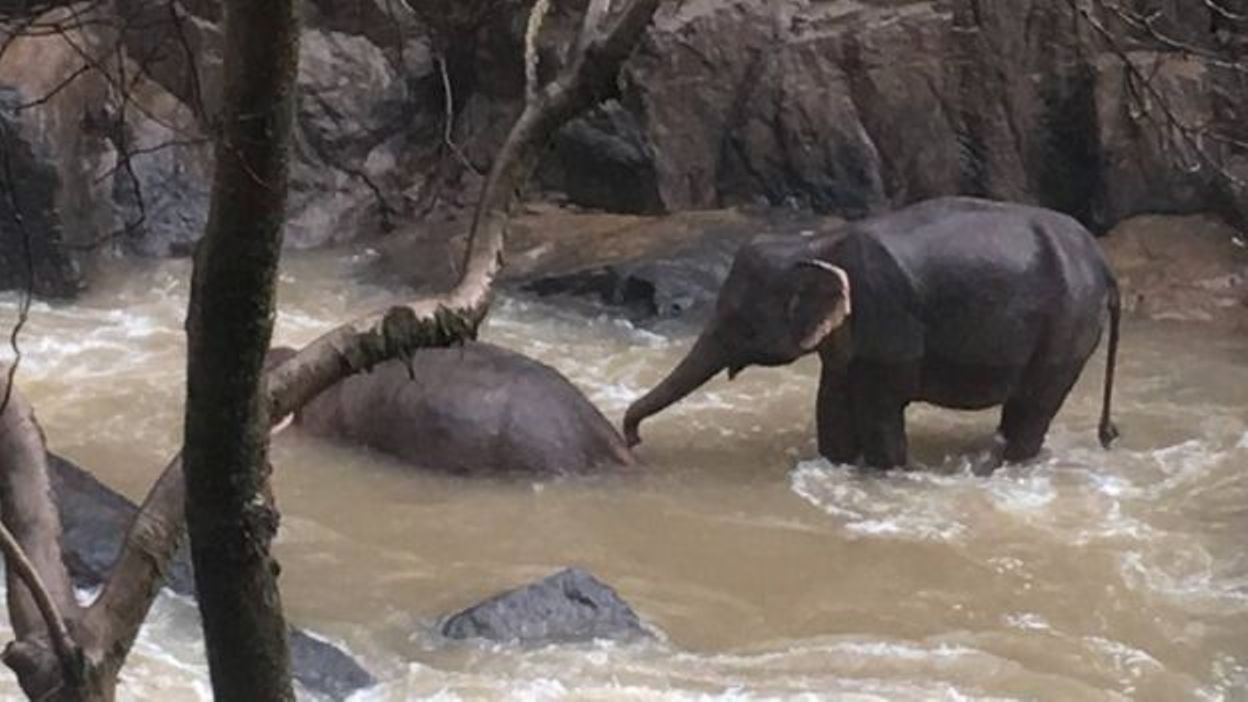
[1087,575]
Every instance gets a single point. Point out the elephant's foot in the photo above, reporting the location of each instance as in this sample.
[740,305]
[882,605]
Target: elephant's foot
[987,462]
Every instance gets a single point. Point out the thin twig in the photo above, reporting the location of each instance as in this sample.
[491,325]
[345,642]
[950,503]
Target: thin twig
[1189,135]
[595,13]
[148,150]
[531,32]
[122,142]
[55,90]
[1220,10]
[448,119]
[192,69]
[1148,25]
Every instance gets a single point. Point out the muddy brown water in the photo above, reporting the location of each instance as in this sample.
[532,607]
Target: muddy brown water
[1087,575]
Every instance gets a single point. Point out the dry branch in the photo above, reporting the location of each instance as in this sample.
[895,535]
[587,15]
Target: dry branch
[40,597]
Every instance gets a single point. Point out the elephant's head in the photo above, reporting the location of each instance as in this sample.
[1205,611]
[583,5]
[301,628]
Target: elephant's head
[779,302]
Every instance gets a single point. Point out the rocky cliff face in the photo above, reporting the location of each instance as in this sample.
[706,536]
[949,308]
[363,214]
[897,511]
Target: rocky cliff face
[837,106]
[846,106]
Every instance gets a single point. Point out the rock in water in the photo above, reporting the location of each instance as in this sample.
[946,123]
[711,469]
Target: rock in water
[570,606]
[94,519]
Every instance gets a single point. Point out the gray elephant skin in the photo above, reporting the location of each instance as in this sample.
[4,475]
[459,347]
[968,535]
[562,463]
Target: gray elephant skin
[471,409]
[960,302]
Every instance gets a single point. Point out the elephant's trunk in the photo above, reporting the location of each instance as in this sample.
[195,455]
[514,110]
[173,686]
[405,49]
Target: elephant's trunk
[703,361]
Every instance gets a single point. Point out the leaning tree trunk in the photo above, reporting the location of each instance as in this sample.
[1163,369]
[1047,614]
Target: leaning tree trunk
[230,512]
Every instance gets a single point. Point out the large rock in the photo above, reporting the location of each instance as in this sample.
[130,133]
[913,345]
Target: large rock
[353,104]
[94,172]
[102,171]
[605,161]
[570,606]
[52,200]
[33,235]
[849,107]
[1191,268]
[94,521]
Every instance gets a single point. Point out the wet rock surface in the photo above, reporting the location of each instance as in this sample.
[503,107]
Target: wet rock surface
[1186,268]
[32,233]
[851,107]
[94,520]
[570,606]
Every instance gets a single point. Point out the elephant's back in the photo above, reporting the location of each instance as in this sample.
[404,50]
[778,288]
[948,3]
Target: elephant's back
[478,408]
[972,264]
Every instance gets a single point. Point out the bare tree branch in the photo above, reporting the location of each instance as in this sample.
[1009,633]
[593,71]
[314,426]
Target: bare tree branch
[56,90]
[448,121]
[15,559]
[1220,10]
[1191,138]
[40,596]
[1147,25]
[595,13]
[192,70]
[531,32]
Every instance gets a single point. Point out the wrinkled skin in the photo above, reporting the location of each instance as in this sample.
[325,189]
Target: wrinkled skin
[474,409]
[959,302]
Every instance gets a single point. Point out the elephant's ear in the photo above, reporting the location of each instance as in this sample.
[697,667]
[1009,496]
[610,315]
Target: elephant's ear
[820,303]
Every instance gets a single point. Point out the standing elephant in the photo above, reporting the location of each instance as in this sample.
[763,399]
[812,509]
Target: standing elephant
[960,302]
[475,408]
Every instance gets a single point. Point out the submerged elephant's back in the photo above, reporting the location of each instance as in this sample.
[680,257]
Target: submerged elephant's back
[477,409]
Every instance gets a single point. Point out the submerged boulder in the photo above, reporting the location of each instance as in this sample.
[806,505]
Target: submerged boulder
[570,606]
[94,519]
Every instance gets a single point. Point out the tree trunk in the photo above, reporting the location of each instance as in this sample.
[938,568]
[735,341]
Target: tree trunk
[230,512]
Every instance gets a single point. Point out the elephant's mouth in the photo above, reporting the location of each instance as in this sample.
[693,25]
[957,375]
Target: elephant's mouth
[734,370]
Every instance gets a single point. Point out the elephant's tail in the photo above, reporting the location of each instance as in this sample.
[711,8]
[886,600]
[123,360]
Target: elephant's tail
[1107,431]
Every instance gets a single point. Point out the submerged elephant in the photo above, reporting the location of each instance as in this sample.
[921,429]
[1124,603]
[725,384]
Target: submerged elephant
[960,302]
[475,408]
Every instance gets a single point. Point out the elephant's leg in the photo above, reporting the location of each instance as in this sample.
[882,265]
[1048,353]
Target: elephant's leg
[884,437]
[1027,414]
[834,416]
[880,394]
